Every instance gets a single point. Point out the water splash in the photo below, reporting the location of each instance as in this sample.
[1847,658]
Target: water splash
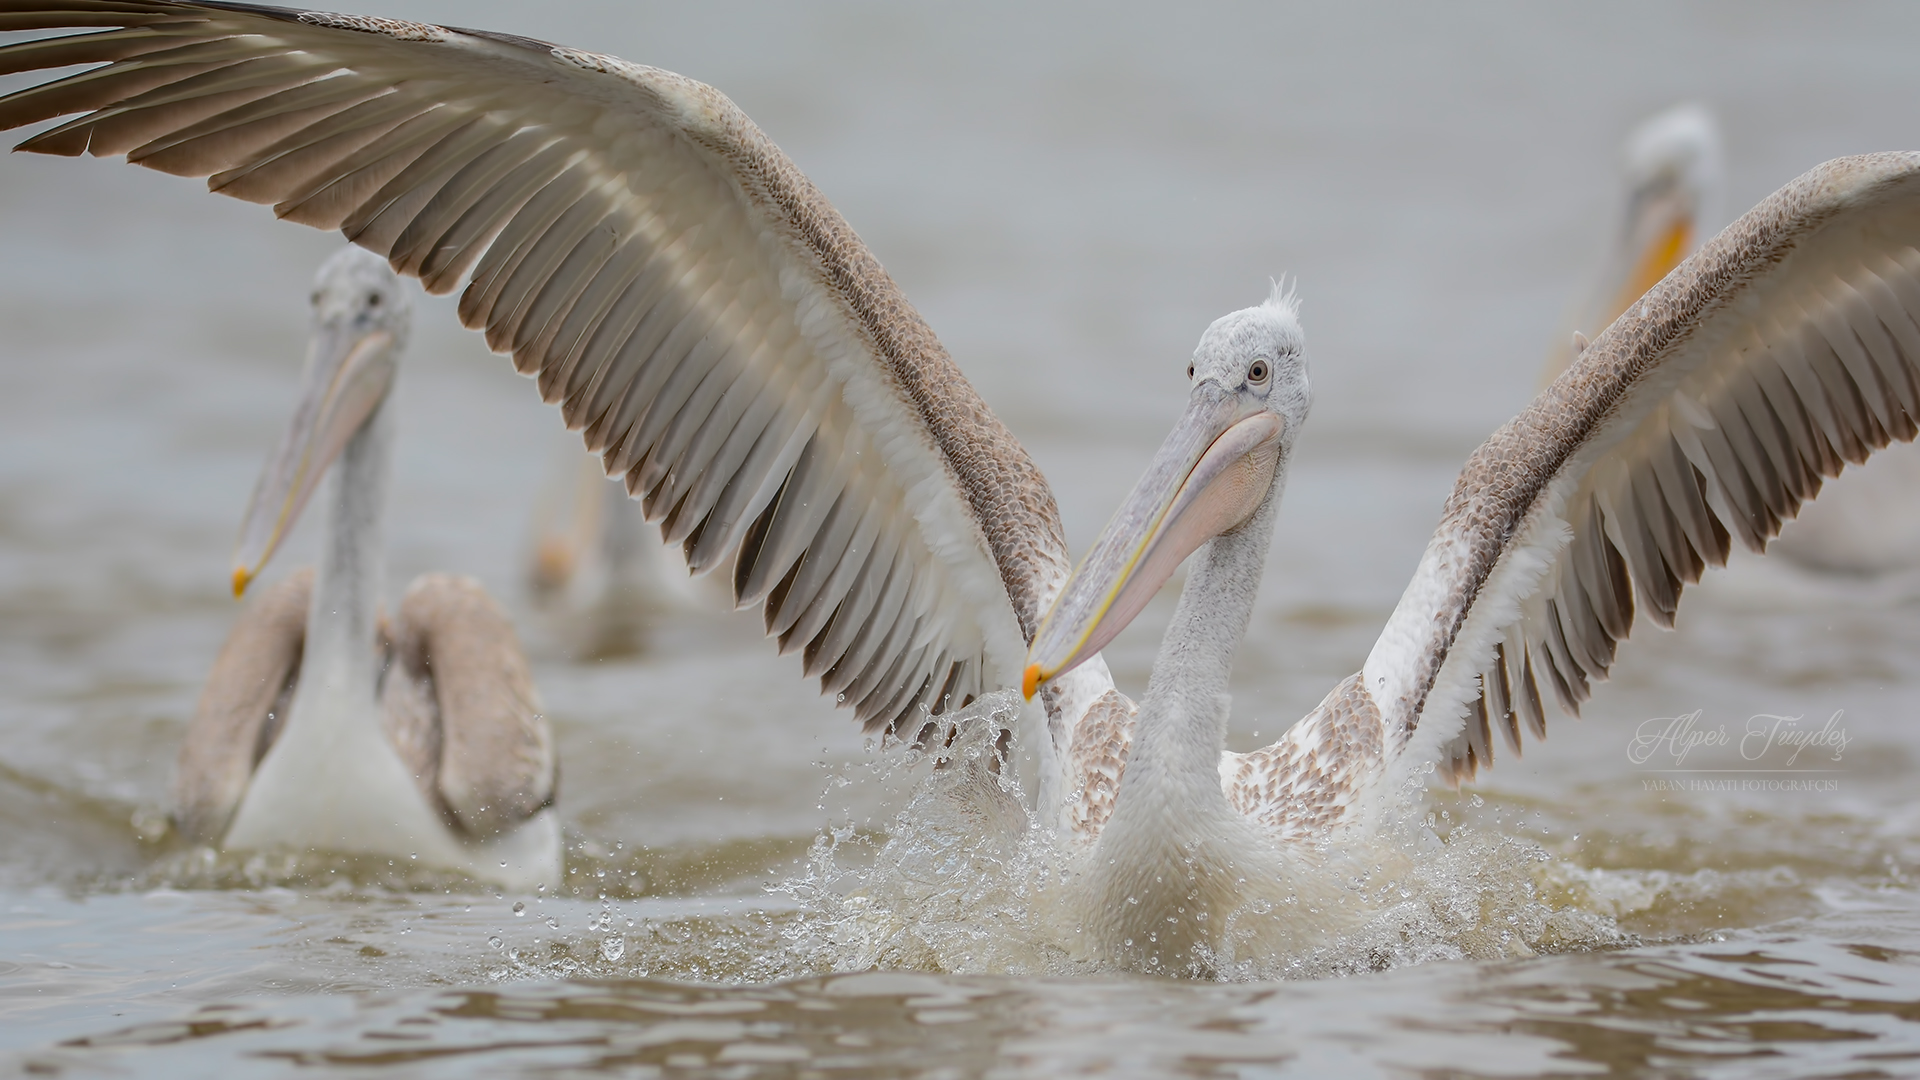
[967,882]
[963,880]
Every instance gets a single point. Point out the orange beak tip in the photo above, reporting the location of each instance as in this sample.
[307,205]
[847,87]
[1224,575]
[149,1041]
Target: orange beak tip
[1030,682]
[240,581]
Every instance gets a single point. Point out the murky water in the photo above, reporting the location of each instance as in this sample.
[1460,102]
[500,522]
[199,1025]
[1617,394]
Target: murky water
[1070,195]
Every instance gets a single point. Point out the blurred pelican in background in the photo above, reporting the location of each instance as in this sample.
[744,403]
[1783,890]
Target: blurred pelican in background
[1676,182]
[597,572]
[1867,520]
[325,727]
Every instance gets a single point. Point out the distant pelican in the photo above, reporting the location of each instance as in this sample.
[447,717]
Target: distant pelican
[733,351]
[1676,182]
[322,727]
[1867,521]
[598,575]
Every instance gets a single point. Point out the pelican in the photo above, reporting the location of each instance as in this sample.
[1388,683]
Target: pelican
[597,573]
[726,344]
[1675,183]
[323,727]
[1868,522]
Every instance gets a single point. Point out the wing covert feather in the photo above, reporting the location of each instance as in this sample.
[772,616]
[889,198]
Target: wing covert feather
[241,709]
[669,278]
[1712,409]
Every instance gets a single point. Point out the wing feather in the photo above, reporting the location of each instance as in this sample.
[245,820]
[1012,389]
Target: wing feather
[284,167]
[551,300]
[1712,409]
[696,309]
[102,47]
[377,223]
[443,225]
[567,338]
[803,505]
[332,196]
[497,762]
[241,708]
[866,624]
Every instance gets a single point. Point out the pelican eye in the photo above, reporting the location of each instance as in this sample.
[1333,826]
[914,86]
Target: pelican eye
[1189,371]
[1257,372]
[373,299]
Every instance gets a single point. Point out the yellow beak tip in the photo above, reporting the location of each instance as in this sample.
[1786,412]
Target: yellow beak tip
[240,581]
[1030,682]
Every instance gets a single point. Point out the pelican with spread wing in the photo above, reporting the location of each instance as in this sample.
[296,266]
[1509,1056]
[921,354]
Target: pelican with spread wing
[727,346]
[325,727]
[1868,522]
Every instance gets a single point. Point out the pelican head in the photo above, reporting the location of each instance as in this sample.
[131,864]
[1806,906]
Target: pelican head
[1673,173]
[359,327]
[1250,396]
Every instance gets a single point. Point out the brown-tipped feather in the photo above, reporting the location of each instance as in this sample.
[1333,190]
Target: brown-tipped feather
[683,292]
[241,708]
[497,765]
[1711,410]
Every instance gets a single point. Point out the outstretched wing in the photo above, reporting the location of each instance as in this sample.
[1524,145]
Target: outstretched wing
[672,281]
[1786,348]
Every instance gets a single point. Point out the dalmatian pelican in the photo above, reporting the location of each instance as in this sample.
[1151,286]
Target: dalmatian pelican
[324,726]
[733,352]
[1675,183]
[1867,524]
[597,574]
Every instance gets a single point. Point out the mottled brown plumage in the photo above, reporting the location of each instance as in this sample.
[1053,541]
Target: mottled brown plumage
[495,764]
[1303,785]
[683,293]
[1097,759]
[241,707]
[1718,403]
[457,702]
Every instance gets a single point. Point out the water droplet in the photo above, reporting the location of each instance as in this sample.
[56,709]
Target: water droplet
[519,909]
[613,947]
[414,855]
[495,942]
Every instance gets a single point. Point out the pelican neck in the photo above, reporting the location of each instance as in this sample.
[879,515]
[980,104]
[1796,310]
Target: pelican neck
[348,586]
